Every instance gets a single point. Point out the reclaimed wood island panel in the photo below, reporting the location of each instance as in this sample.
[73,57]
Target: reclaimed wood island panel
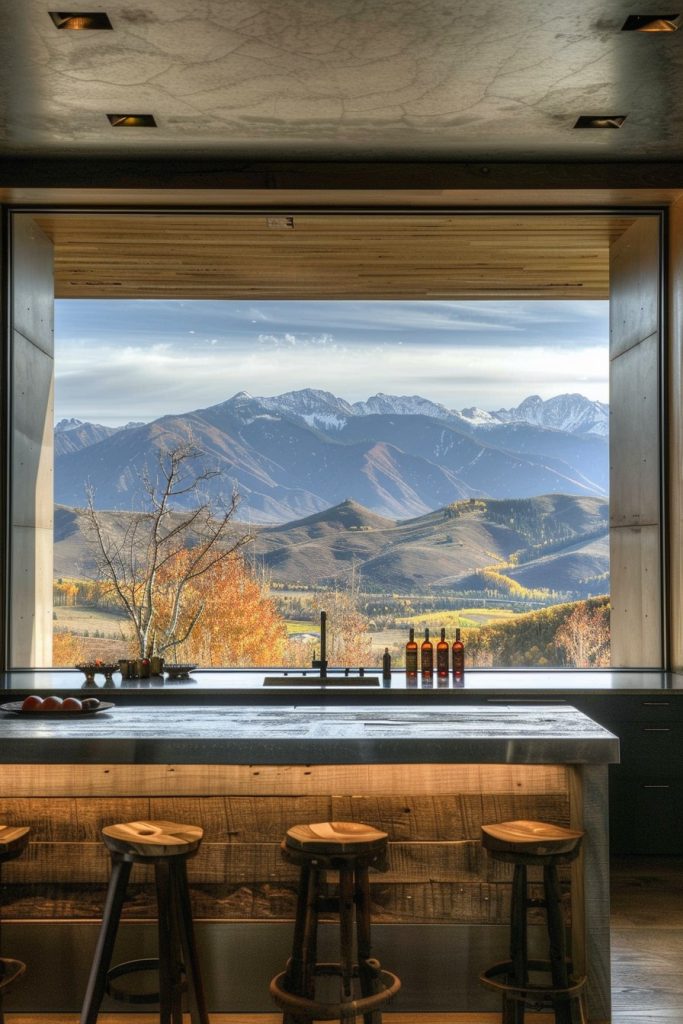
[429,777]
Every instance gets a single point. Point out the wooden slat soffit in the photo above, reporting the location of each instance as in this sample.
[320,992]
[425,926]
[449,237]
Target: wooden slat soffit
[332,256]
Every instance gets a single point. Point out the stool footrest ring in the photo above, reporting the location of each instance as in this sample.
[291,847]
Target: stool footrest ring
[135,967]
[314,1009]
[10,970]
[531,993]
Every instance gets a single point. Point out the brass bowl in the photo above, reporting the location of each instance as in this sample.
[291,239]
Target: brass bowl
[178,671]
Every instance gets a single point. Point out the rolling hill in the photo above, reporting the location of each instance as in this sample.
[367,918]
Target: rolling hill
[563,539]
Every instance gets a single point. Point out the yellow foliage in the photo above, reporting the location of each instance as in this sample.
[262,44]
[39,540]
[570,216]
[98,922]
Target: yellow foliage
[238,623]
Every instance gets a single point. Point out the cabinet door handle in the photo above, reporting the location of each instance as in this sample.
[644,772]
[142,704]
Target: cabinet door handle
[656,703]
[656,728]
[525,700]
[656,786]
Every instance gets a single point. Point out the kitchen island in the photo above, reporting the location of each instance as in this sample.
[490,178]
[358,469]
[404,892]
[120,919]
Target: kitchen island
[245,773]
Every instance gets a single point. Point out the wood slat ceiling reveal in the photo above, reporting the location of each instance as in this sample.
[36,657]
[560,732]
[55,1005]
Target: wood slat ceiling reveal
[332,256]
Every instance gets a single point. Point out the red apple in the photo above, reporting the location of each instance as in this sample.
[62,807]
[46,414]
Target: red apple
[32,703]
[51,703]
[71,704]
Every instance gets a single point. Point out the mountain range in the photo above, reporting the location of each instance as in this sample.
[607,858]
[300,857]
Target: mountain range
[299,453]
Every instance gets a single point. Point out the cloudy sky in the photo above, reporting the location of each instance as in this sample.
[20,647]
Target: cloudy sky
[122,360]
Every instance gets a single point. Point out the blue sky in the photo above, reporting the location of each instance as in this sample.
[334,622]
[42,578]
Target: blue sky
[121,360]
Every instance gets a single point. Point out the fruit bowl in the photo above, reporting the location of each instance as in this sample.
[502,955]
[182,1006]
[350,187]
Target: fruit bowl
[179,671]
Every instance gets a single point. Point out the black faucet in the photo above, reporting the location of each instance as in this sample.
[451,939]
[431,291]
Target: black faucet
[321,662]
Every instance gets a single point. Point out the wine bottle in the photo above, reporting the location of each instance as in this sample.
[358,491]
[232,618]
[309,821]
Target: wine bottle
[386,665]
[458,656]
[427,656]
[442,653]
[411,656]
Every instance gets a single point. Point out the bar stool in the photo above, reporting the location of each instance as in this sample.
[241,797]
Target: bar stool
[349,849]
[167,846]
[526,844]
[13,842]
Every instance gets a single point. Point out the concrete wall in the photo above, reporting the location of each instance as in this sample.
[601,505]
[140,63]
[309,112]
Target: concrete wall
[635,477]
[31,415]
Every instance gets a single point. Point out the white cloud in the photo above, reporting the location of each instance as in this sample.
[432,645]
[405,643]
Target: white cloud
[149,361]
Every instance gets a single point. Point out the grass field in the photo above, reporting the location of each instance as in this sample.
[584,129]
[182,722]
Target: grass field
[90,620]
[86,621]
[463,617]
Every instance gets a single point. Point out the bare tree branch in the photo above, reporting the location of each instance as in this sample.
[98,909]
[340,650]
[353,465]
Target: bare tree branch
[143,560]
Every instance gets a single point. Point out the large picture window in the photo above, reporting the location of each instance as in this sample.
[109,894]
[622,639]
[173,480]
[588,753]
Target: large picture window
[199,479]
[398,464]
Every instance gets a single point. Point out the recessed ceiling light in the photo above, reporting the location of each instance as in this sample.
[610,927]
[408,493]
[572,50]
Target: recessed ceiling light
[651,23]
[132,120]
[79,22]
[600,121]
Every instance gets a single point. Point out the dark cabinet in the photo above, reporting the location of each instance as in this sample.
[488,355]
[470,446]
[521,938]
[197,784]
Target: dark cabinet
[646,788]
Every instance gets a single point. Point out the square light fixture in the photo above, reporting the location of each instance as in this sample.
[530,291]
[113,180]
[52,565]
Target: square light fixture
[79,22]
[600,121]
[132,120]
[651,23]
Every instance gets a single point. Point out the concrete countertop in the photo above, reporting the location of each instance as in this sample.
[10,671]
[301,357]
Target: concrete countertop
[309,734]
[246,685]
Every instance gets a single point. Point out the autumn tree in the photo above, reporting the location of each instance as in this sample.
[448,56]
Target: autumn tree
[153,563]
[239,623]
[584,637]
[67,649]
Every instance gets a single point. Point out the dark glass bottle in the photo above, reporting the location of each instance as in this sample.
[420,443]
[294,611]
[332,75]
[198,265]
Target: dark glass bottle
[427,656]
[458,656]
[386,665]
[442,653]
[411,657]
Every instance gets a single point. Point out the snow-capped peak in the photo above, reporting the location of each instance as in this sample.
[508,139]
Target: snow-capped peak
[402,405]
[572,413]
[478,417]
[70,424]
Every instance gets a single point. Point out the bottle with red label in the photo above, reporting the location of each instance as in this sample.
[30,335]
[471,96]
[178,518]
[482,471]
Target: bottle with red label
[458,656]
[427,657]
[442,656]
[411,659]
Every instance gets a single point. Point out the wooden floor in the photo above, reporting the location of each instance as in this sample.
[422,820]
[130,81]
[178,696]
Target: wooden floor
[647,959]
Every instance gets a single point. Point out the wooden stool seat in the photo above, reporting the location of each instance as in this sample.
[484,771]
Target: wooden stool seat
[145,840]
[530,839]
[349,849]
[13,842]
[167,845]
[329,841]
[535,844]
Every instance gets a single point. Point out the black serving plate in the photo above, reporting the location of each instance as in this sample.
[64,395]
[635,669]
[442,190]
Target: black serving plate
[14,708]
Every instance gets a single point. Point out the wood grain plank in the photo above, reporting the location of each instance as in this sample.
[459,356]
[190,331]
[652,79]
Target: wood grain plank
[462,861]
[420,255]
[35,780]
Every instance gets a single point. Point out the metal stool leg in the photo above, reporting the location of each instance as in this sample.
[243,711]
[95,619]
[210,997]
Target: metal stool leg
[367,972]
[170,982]
[565,1011]
[187,937]
[513,1009]
[346,907]
[120,873]
[300,972]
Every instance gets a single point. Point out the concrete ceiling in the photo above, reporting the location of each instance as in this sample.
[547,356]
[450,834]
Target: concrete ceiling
[342,80]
